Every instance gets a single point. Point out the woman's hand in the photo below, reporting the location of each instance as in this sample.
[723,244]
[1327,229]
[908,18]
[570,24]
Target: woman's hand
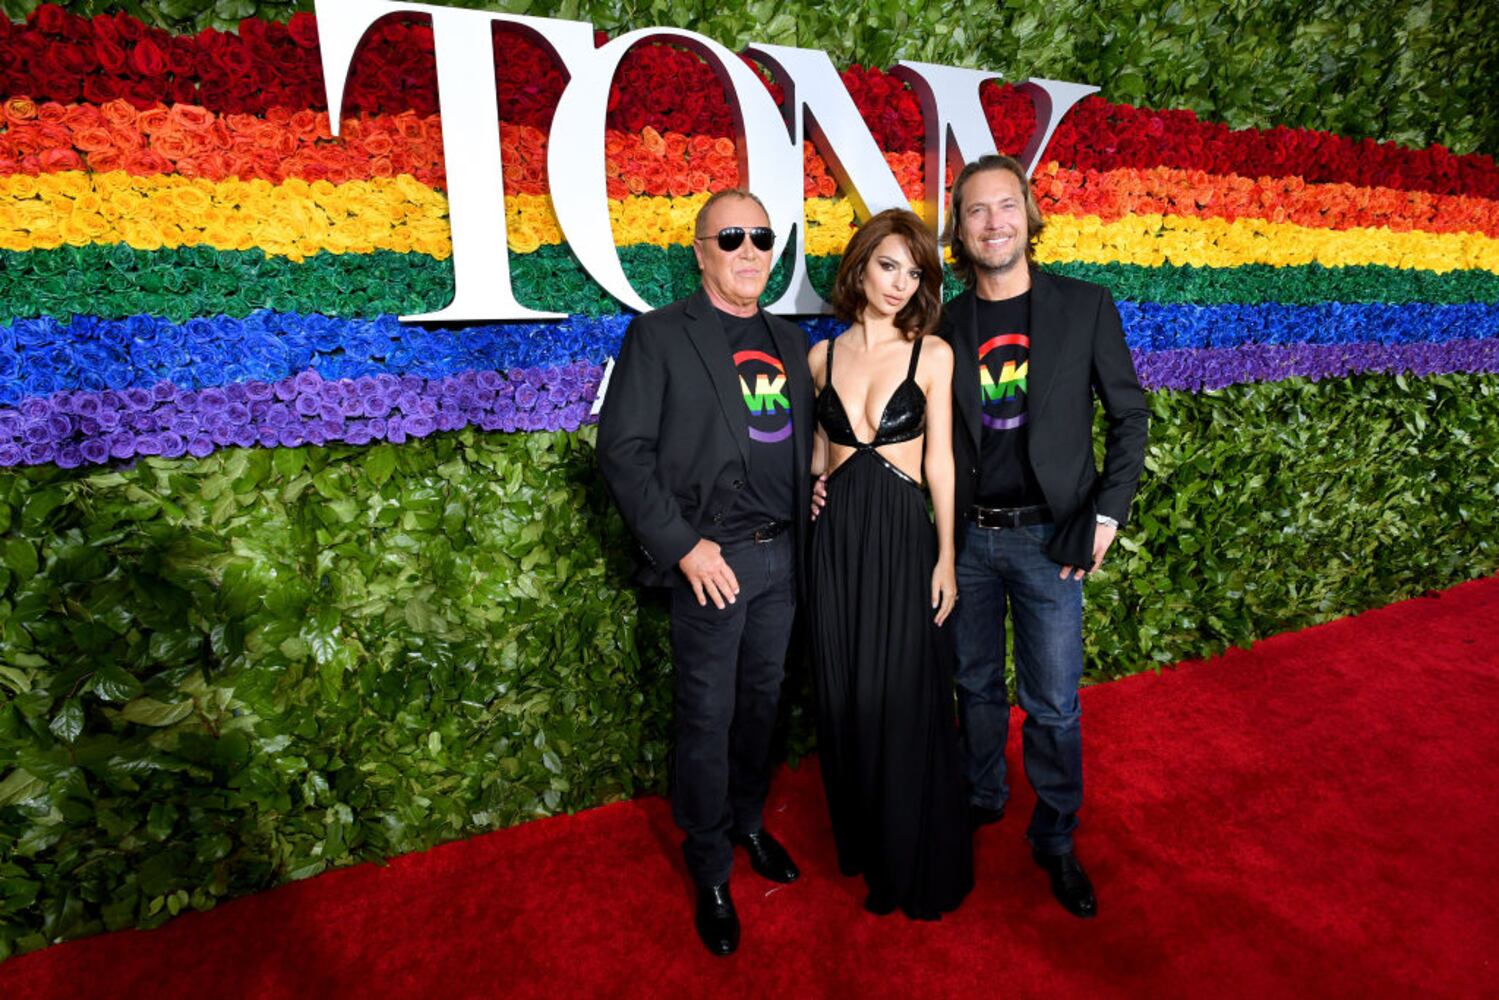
[944,589]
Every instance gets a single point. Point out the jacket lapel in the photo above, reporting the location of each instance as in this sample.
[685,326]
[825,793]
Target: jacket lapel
[712,346]
[962,313]
[1048,332]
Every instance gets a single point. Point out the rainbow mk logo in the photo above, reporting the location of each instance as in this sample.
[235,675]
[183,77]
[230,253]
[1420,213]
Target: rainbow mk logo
[768,400]
[1009,388]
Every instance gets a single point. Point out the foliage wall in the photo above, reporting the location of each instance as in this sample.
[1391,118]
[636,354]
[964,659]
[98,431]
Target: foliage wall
[286,584]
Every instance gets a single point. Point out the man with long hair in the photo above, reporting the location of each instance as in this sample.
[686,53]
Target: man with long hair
[1031,352]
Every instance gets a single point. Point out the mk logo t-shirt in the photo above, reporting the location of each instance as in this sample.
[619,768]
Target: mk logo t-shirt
[1004,357]
[767,493]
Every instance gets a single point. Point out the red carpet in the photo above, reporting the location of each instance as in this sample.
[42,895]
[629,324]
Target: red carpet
[1314,818]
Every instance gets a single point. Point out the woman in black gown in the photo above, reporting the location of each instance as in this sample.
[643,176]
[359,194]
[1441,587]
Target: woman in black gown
[883,580]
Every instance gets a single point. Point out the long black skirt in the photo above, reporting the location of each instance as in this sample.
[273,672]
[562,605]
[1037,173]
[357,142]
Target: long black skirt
[886,729]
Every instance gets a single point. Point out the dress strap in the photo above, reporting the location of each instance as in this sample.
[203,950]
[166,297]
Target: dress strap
[915,353]
[828,375]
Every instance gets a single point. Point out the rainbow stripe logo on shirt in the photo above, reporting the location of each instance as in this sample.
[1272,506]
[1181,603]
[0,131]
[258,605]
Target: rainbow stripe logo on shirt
[767,402]
[1002,397]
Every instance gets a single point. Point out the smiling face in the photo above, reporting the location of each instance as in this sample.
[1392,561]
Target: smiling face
[734,280]
[993,226]
[891,277]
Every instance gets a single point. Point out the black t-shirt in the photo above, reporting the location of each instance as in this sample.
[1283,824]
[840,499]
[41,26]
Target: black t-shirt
[1005,475]
[767,493]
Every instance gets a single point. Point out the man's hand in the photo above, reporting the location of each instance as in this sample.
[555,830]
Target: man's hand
[1103,537]
[819,495]
[710,576]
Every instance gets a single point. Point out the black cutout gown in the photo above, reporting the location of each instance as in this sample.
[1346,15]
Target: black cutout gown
[886,729]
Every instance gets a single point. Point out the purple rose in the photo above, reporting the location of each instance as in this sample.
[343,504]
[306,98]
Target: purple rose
[332,429]
[222,434]
[88,427]
[258,391]
[88,405]
[237,413]
[418,426]
[37,433]
[351,406]
[558,395]
[279,415]
[235,392]
[173,445]
[307,383]
[9,454]
[213,399]
[121,445]
[69,457]
[163,392]
[285,389]
[137,399]
[489,380]
[306,406]
[525,397]
[313,432]
[36,408]
[290,436]
[268,436]
[200,446]
[358,433]
[36,454]
[94,451]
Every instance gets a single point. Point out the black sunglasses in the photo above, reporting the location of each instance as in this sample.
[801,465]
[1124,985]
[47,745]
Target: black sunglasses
[730,238]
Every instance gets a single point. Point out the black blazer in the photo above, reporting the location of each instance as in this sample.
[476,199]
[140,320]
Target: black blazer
[1077,350]
[673,439]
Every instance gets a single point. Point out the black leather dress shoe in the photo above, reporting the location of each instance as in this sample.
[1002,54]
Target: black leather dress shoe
[767,857]
[982,815]
[717,923]
[1069,883]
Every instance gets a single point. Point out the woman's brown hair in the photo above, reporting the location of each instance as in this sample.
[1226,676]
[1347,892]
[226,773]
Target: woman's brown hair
[920,315]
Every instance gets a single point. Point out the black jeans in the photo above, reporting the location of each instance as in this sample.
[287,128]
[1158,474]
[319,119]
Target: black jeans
[729,666]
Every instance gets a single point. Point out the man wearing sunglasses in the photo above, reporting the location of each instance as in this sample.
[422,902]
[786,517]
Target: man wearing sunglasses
[705,442]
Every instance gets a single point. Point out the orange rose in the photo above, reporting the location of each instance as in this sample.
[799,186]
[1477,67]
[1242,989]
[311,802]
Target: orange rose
[411,127]
[651,140]
[278,115]
[57,159]
[173,145]
[617,189]
[723,146]
[679,185]
[377,144]
[698,180]
[635,183]
[102,161]
[676,145]
[303,124]
[153,120]
[19,109]
[57,114]
[192,118]
[614,145]
[826,186]
[118,113]
[92,140]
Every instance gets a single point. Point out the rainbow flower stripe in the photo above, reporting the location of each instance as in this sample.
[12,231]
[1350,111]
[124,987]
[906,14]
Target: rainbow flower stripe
[182,275]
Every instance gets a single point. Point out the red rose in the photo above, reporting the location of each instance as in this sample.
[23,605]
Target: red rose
[148,59]
[111,57]
[303,29]
[131,30]
[49,19]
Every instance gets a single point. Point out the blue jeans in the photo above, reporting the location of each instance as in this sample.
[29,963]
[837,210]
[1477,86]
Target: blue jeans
[996,565]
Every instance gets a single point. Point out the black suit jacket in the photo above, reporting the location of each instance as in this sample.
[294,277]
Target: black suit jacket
[673,439]
[1077,350]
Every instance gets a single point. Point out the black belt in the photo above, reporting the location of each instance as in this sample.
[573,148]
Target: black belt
[768,532]
[1009,517]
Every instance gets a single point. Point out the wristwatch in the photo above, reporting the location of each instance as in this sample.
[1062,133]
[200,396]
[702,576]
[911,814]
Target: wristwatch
[1106,519]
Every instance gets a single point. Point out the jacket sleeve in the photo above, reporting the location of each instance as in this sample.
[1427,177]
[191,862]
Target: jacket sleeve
[1125,410]
[629,436]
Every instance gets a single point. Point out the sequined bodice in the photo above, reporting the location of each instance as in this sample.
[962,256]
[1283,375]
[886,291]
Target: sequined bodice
[903,419]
